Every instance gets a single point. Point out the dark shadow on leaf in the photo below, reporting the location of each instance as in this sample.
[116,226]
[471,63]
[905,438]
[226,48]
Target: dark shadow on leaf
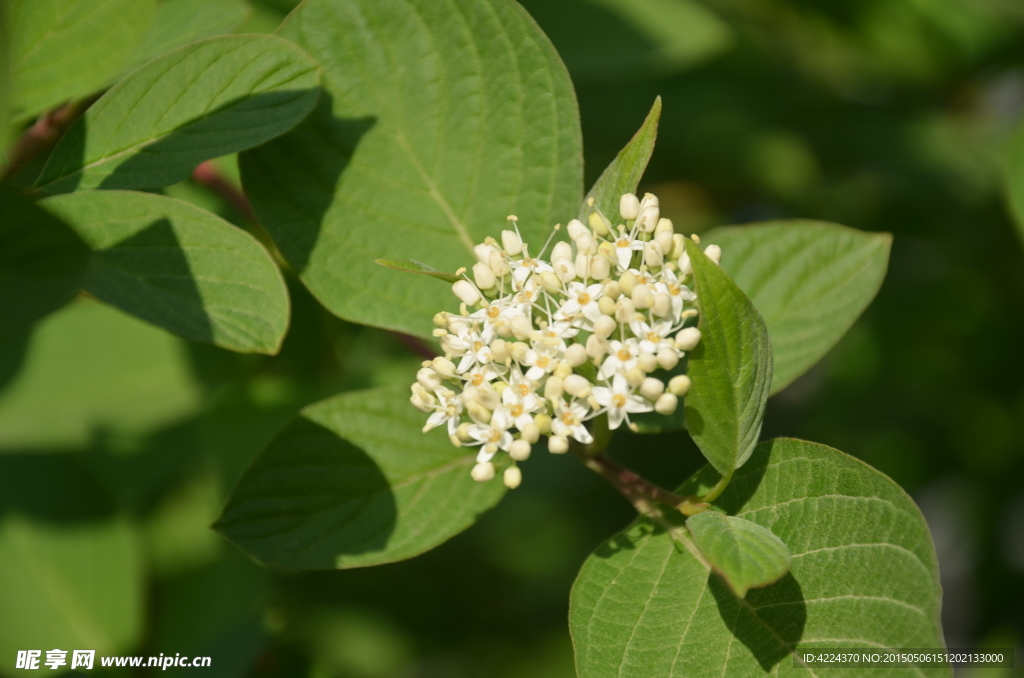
[309,498]
[41,262]
[234,126]
[57,487]
[769,622]
[149,276]
[318,150]
[13,347]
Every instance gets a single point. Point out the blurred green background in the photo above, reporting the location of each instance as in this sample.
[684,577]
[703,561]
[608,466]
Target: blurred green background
[118,442]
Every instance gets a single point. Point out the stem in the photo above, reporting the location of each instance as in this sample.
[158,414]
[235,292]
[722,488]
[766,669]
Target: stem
[717,490]
[41,136]
[206,174]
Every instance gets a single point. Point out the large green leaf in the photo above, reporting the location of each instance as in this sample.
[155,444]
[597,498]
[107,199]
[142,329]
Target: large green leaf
[42,261]
[211,98]
[66,49]
[625,171]
[179,22]
[863,575]
[92,372]
[614,39]
[353,481]
[72,587]
[744,553]
[731,368]
[809,279]
[440,118]
[179,267]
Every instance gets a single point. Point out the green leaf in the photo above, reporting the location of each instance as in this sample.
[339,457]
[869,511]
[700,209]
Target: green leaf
[179,267]
[863,574]
[93,372]
[179,22]
[745,554]
[613,39]
[211,98]
[42,262]
[353,481]
[62,50]
[439,119]
[731,368]
[1015,181]
[625,171]
[5,84]
[71,587]
[413,266]
[810,280]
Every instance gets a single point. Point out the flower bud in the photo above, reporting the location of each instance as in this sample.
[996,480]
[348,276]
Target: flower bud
[561,250]
[627,281]
[599,224]
[513,477]
[599,268]
[478,412]
[664,226]
[679,385]
[421,400]
[498,264]
[530,435]
[518,351]
[512,243]
[576,385]
[582,265]
[604,326]
[500,351]
[662,304]
[551,281]
[635,377]
[558,445]
[666,404]
[487,396]
[687,338]
[606,305]
[653,255]
[652,388]
[444,367]
[564,269]
[624,310]
[562,370]
[575,228]
[543,423]
[483,253]
[576,354]
[667,359]
[612,289]
[664,239]
[441,319]
[483,472]
[466,293]
[678,247]
[648,219]
[642,297]
[629,206]
[714,253]
[553,388]
[597,345]
[647,362]
[484,276]
[462,433]
[586,244]
[428,378]
[521,327]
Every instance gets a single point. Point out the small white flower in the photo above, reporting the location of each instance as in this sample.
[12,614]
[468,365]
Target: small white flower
[625,246]
[494,436]
[449,409]
[622,357]
[568,422]
[620,401]
[654,336]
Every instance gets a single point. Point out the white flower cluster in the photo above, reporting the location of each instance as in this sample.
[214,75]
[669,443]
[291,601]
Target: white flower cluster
[541,347]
